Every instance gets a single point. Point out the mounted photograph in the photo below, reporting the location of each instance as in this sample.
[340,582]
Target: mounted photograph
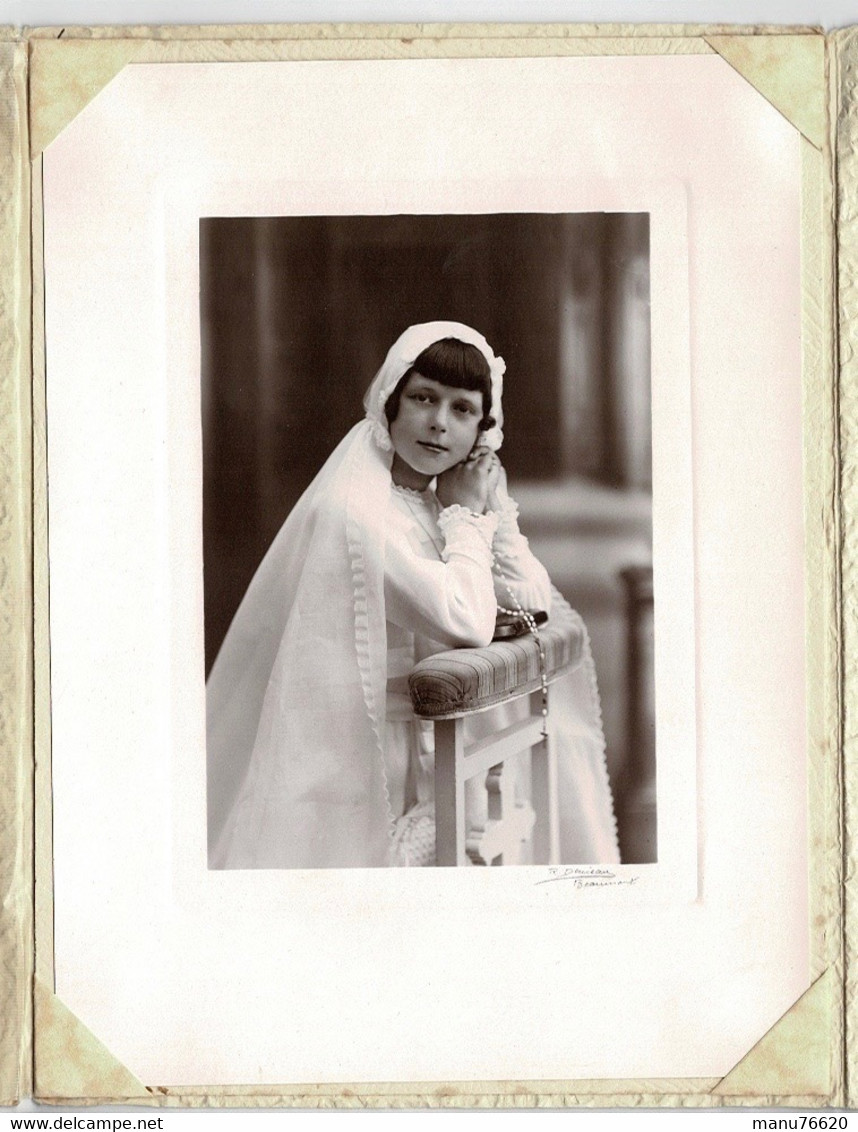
[433,579]
[404,680]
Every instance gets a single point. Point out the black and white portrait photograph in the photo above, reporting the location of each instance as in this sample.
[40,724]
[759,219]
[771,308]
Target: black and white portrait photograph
[453,609]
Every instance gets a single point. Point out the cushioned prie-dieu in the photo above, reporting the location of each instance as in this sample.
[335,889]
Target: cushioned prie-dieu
[463,680]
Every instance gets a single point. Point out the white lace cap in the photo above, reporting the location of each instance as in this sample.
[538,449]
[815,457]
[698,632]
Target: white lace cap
[401,357]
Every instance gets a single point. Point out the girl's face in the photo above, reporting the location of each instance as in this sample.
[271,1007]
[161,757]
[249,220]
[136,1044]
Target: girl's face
[436,426]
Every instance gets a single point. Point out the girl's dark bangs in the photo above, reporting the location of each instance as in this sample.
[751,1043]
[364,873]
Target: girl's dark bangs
[454,363]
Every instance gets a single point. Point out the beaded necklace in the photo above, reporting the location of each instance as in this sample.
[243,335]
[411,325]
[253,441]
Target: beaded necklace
[533,629]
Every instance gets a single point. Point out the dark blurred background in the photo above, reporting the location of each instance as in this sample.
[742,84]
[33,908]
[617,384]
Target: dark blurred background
[297,314]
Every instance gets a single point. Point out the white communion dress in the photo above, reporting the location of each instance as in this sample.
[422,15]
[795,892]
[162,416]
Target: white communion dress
[314,758]
[450,616]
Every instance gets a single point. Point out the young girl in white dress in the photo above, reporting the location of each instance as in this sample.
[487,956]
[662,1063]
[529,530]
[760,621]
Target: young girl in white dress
[403,546]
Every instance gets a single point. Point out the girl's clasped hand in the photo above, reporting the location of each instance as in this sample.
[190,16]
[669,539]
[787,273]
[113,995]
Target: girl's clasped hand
[473,483]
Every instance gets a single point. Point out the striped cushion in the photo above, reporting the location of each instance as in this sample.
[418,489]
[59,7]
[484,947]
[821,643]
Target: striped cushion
[464,680]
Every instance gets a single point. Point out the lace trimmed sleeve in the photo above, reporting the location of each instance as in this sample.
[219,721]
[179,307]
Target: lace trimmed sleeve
[516,567]
[467,533]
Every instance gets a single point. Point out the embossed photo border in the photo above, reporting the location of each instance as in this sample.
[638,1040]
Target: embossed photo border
[804,1059]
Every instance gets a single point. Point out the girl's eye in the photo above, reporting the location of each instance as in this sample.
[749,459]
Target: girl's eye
[466,410]
[421,398]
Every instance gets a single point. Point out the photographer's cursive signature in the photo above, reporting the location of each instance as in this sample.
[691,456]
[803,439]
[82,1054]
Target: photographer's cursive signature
[586,877]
